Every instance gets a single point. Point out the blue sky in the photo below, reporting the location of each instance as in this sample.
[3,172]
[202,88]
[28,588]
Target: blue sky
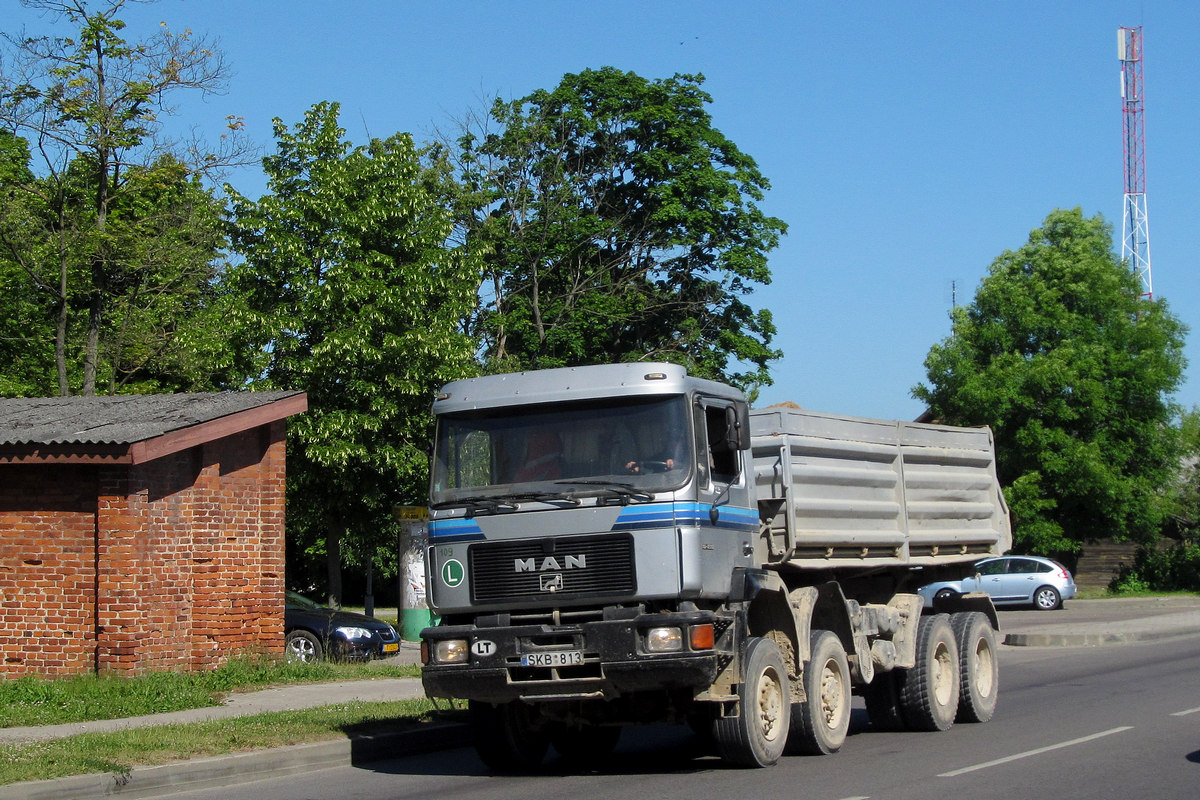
[907,144]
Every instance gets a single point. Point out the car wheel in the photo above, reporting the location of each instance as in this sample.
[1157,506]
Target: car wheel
[1047,598]
[944,594]
[303,648]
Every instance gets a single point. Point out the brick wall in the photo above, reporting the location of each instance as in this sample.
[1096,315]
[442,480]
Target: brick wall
[47,569]
[184,560]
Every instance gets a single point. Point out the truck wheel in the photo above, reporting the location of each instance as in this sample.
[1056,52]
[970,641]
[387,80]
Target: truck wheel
[583,744]
[505,739]
[883,702]
[757,736]
[819,724]
[978,666]
[929,691]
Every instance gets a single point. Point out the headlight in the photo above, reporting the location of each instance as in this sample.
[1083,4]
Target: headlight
[664,640]
[451,651]
[352,632]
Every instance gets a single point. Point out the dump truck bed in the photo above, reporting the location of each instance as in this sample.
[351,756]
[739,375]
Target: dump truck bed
[838,491]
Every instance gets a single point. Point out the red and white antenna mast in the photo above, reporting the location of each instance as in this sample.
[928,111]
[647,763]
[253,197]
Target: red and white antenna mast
[1135,228]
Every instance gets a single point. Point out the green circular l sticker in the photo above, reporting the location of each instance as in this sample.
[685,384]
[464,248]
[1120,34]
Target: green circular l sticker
[453,572]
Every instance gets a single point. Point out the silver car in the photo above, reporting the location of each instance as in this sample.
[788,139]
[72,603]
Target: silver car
[1011,580]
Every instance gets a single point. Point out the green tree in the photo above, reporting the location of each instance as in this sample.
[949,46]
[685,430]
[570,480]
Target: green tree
[618,224]
[26,335]
[350,292]
[104,257]
[1183,493]
[1171,562]
[1073,370]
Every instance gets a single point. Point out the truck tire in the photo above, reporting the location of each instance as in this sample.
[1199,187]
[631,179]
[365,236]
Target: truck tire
[820,723]
[978,666]
[584,744]
[505,739]
[757,736]
[928,692]
[883,702]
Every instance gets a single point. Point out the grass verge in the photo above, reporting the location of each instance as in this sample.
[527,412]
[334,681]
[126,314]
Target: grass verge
[122,751]
[31,700]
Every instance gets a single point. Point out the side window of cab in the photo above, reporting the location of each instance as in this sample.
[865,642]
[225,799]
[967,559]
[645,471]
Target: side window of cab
[717,444]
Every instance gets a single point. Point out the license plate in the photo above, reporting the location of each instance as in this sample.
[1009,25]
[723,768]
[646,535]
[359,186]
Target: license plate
[556,658]
[391,647]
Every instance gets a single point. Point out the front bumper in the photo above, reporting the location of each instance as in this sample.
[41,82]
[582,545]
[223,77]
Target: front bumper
[614,663]
[363,649]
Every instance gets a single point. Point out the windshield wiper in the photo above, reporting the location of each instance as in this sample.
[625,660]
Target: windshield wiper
[479,503]
[567,497]
[625,491]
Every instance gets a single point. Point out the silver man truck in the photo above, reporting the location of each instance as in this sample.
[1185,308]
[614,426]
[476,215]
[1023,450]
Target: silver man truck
[623,544]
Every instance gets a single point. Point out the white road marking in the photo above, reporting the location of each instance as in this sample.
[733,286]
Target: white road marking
[1185,713]
[1038,751]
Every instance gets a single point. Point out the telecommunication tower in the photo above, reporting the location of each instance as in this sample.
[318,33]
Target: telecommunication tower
[1135,228]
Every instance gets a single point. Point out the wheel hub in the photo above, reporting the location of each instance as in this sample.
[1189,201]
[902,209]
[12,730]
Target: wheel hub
[770,705]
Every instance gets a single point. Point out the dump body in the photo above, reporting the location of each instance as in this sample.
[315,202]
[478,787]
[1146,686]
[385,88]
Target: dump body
[837,491]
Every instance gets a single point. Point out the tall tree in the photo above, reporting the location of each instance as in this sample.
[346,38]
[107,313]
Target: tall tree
[91,107]
[619,224]
[1073,369]
[350,292]
[1184,492]
[26,332]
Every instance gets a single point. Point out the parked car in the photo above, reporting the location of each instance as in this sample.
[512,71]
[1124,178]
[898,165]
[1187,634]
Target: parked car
[313,632]
[1011,580]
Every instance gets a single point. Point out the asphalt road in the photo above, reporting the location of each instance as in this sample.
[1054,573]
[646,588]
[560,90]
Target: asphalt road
[1073,722]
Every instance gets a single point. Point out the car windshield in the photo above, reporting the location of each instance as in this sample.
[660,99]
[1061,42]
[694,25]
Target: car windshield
[628,447]
[300,601]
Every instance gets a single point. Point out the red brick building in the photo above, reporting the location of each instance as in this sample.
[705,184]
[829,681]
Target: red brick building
[141,532]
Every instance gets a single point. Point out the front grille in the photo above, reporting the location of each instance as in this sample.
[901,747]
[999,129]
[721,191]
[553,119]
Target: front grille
[544,568]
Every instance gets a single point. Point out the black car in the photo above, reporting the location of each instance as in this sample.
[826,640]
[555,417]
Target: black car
[314,632]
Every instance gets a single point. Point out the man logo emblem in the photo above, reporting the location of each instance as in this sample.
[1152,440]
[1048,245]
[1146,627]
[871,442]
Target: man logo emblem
[550,564]
[552,582]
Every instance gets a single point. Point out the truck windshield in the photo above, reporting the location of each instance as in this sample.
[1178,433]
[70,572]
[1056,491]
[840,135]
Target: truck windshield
[629,445]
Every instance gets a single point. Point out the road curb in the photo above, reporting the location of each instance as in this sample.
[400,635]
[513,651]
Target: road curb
[1093,639]
[236,768]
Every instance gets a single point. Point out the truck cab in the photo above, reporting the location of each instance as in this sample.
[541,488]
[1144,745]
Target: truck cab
[585,527]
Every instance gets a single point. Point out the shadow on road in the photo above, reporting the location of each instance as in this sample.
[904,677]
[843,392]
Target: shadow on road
[643,750]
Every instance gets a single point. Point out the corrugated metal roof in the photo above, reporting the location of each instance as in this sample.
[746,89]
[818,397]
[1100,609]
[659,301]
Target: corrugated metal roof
[120,419]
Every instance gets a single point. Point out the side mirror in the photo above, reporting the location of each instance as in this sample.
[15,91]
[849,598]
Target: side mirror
[732,440]
[737,427]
